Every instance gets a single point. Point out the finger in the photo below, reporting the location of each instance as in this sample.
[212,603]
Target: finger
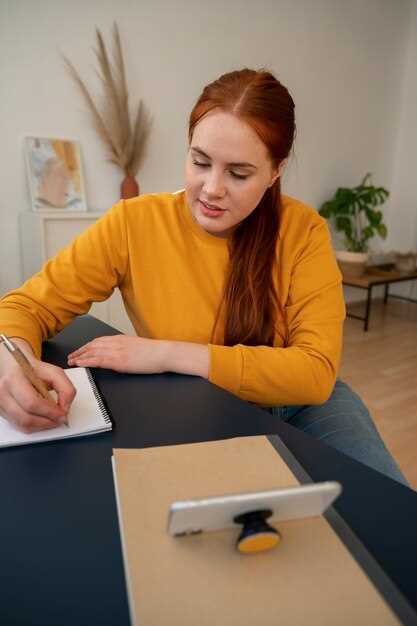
[81,356]
[105,354]
[87,346]
[79,351]
[59,381]
[31,402]
[33,424]
[100,356]
[24,421]
[105,340]
[93,361]
[98,341]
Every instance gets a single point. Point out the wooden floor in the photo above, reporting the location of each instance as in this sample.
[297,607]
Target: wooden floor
[381,366]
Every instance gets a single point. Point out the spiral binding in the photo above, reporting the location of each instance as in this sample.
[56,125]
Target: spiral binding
[97,396]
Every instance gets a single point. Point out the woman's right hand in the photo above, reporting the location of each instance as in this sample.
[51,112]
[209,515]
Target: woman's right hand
[21,404]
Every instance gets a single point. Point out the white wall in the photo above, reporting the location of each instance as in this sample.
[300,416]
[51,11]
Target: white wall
[342,61]
[402,208]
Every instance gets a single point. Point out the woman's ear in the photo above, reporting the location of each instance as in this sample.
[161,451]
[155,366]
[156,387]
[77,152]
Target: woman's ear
[278,172]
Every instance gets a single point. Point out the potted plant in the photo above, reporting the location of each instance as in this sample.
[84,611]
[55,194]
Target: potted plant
[353,211]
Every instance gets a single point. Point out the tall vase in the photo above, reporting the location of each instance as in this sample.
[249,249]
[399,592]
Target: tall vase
[129,187]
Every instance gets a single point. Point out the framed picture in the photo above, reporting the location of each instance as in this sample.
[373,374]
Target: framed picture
[54,174]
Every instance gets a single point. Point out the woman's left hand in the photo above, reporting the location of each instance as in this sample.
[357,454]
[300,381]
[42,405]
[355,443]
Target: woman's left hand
[122,353]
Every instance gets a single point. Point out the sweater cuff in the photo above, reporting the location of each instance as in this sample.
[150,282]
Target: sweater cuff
[15,330]
[226,365]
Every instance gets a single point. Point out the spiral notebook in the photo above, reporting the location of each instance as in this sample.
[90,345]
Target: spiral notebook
[87,415]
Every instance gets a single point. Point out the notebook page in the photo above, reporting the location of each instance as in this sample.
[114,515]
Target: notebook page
[86,416]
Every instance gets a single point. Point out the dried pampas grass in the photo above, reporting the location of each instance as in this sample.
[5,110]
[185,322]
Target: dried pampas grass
[124,140]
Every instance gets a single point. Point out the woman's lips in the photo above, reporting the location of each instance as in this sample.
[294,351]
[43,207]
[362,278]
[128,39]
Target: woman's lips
[210,210]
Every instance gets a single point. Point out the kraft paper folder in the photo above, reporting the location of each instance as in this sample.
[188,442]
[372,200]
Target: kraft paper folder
[309,579]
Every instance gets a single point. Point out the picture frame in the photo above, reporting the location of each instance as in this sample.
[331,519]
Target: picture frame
[54,174]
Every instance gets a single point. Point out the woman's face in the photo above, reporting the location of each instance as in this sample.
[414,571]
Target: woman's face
[228,170]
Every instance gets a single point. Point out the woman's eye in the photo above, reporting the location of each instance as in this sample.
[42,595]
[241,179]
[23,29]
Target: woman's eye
[239,176]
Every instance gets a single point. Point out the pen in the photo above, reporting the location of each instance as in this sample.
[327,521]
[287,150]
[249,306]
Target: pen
[28,370]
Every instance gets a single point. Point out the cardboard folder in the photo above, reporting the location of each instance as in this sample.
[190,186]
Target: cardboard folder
[309,579]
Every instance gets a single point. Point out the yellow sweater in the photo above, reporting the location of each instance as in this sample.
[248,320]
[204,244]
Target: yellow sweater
[170,273]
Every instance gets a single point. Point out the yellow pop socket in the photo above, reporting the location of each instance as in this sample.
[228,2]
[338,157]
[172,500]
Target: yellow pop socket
[257,535]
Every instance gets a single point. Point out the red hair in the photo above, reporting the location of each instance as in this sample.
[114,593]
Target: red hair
[249,299]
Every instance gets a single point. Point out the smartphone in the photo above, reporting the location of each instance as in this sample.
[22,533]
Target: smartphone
[217,513]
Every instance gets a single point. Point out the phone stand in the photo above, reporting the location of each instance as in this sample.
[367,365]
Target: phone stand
[257,535]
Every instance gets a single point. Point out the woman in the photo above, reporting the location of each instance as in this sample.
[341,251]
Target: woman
[227,280]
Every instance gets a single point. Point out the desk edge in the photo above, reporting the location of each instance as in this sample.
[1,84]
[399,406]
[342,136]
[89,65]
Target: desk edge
[384,585]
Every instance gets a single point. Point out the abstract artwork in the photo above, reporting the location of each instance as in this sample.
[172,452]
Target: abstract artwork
[54,172]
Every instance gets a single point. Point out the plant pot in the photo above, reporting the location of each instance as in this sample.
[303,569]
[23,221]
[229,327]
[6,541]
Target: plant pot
[352,263]
[129,188]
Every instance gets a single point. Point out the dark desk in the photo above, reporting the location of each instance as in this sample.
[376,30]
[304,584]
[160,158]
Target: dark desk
[61,560]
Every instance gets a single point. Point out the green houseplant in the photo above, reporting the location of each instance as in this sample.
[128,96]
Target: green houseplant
[353,211]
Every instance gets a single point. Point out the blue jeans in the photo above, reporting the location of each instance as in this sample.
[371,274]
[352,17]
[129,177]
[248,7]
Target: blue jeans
[344,423]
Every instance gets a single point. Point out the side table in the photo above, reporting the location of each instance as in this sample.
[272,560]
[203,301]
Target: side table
[373,277]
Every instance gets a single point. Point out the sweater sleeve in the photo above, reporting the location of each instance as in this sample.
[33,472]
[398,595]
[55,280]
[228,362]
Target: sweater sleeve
[84,272]
[303,372]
